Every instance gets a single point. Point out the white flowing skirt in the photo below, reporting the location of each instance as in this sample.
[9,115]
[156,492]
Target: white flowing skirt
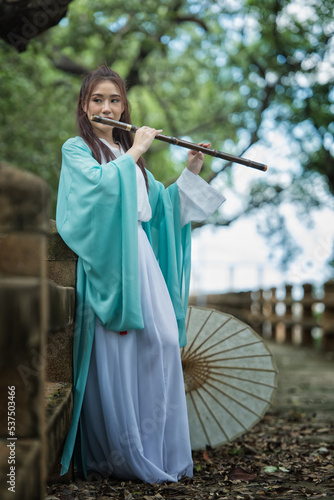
[134,416]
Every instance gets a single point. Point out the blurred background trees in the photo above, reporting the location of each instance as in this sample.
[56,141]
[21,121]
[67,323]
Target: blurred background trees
[237,73]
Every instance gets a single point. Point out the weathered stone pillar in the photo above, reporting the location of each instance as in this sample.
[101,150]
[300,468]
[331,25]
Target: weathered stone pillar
[61,272]
[61,269]
[24,216]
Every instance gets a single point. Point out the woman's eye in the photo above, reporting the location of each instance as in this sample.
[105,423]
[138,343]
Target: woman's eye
[96,100]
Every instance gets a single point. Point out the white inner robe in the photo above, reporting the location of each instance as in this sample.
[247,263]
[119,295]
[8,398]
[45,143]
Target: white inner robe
[134,415]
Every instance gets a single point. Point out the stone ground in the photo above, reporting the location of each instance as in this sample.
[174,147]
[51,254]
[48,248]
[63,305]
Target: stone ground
[288,455]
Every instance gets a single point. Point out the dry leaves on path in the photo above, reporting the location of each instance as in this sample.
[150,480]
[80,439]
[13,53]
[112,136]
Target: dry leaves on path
[282,458]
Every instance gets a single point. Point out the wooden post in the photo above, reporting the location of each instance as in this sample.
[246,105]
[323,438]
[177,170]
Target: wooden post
[288,318]
[257,311]
[328,317]
[308,320]
[269,316]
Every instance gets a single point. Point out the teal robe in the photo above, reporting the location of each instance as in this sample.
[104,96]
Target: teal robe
[97,218]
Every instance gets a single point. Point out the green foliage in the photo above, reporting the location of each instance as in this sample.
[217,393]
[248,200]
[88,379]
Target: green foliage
[225,72]
[37,105]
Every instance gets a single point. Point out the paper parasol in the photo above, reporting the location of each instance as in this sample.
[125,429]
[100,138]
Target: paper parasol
[229,375]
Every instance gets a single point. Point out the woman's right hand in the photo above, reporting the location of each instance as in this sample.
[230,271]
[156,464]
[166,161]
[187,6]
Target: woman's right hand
[142,141]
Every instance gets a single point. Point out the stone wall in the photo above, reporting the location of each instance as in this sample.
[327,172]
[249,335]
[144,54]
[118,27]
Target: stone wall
[36,318]
[61,273]
[24,215]
[61,270]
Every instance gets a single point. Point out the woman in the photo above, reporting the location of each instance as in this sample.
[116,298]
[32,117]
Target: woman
[132,238]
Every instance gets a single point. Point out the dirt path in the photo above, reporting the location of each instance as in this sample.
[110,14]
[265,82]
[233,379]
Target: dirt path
[288,455]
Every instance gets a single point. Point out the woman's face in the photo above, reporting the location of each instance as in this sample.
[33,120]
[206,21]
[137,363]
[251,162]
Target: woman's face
[105,101]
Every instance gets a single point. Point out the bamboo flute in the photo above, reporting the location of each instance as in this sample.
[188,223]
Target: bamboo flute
[182,143]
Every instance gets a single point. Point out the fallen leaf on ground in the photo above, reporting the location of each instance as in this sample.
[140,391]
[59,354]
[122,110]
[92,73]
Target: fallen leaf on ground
[206,457]
[241,474]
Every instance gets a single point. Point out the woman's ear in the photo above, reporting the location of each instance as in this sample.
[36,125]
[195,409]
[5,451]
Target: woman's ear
[84,106]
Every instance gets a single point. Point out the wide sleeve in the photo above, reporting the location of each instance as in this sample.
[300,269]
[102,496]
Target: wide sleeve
[97,218]
[171,244]
[198,200]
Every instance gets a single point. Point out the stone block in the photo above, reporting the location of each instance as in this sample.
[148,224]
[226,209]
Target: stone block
[20,316]
[59,356]
[61,307]
[22,254]
[62,272]
[22,360]
[24,201]
[57,248]
[59,407]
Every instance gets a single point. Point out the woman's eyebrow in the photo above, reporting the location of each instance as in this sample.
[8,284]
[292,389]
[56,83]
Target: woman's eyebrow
[111,95]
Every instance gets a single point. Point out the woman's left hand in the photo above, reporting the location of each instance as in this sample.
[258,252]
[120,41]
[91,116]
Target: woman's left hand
[195,159]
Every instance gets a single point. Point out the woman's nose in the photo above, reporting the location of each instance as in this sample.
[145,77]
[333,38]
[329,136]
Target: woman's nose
[106,107]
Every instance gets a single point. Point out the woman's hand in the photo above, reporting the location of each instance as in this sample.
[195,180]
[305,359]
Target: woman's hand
[195,159]
[142,141]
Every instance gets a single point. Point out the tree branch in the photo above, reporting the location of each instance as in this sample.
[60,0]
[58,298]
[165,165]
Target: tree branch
[192,19]
[68,66]
[21,20]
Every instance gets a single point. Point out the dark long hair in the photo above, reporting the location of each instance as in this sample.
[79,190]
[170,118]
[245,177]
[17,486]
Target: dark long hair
[86,131]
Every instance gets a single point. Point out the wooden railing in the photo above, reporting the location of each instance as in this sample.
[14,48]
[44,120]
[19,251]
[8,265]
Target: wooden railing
[281,317]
